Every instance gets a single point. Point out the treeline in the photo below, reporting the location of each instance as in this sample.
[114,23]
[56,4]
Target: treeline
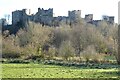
[80,41]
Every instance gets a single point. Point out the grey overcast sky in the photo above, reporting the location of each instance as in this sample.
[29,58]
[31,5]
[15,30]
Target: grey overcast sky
[61,7]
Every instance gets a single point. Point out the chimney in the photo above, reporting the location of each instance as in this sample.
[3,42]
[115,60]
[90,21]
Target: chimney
[29,11]
[39,9]
[24,10]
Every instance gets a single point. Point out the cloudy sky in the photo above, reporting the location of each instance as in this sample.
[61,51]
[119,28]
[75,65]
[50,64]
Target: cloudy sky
[61,7]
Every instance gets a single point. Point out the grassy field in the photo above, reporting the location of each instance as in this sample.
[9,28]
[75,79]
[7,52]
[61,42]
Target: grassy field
[54,71]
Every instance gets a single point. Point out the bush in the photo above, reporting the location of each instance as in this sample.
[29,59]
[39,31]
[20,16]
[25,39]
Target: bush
[66,50]
[31,52]
[98,58]
[60,34]
[9,47]
[90,54]
[51,52]
[10,55]
[35,41]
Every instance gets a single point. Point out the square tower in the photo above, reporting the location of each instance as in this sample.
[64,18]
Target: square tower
[89,17]
[19,17]
[74,15]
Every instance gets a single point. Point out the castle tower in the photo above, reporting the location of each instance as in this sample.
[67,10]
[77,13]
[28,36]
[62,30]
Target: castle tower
[44,16]
[105,18]
[109,19]
[19,17]
[74,15]
[89,17]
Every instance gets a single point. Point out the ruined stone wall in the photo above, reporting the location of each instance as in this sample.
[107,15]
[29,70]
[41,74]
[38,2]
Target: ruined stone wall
[3,22]
[95,22]
[46,17]
[89,17]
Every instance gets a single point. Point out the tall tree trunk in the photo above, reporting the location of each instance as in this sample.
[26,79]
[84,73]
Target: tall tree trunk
[118,54]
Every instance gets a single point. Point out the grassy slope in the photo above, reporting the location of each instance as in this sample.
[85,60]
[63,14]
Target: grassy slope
[52,71]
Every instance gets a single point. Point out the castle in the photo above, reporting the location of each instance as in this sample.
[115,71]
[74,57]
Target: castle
[45,17]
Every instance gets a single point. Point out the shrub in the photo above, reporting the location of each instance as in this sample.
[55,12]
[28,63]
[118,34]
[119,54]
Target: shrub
[66,50]
[51,52]
[90,54]
[60,34]
[97,58]
[10,55]
[35,41]
[9,47]
[31,52]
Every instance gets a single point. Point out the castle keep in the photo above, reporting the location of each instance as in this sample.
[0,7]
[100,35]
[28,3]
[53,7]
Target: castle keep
[45,17]
[19,17]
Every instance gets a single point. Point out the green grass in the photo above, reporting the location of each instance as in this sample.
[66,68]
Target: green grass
[53,71]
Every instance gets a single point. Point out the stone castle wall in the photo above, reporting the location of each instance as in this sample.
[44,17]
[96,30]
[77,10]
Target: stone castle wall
[46,17]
